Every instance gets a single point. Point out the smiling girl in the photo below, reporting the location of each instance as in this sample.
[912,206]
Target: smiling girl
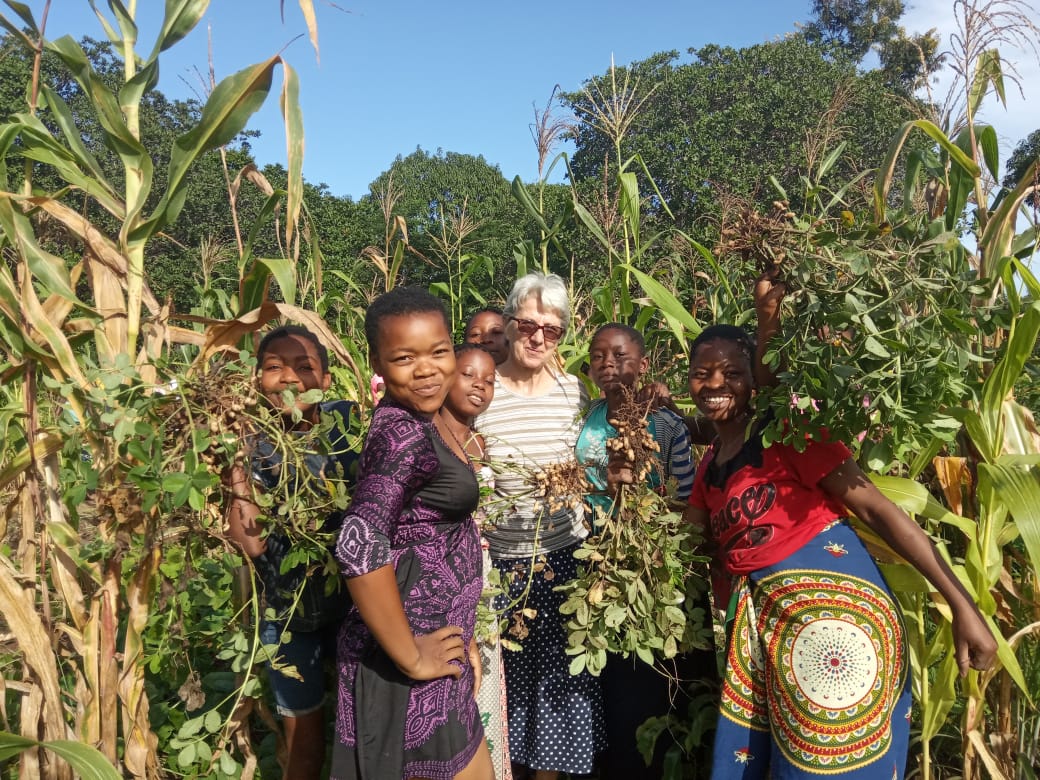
[470,394]
[816,679]
[410,551]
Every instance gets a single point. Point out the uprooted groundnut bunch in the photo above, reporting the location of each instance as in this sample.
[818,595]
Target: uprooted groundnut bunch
[634,442]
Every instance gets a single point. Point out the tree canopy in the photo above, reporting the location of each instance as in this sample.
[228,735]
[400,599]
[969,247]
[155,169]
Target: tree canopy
[732,118]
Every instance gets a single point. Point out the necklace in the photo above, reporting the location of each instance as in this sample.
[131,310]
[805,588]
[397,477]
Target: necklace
[454,438]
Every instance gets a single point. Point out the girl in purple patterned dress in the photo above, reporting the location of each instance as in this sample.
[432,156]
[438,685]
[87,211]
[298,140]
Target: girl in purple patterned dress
[408,664]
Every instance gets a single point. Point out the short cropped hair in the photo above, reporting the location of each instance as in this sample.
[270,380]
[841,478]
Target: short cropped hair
[470,346]
[549,289]
[478,312]
[284,331]
[633,334]
[738,336]
[398,302]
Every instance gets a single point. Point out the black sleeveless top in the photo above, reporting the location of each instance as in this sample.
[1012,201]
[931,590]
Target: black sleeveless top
[453,490]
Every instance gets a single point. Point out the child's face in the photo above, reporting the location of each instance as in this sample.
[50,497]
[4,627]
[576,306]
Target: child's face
[474,384]
[615,360]
[721,380]
[291,362]
[489,330]
[414,355]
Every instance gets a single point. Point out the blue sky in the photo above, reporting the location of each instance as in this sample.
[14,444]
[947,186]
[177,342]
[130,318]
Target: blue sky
[460,75]
[464,75]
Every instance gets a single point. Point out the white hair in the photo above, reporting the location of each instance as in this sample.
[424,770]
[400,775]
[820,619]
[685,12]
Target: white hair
[549,289]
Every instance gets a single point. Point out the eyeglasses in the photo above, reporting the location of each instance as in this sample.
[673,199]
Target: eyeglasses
[530,327]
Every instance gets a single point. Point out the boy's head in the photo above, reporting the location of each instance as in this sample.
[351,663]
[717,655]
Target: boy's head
[290,357]
[617,357]
[487,327]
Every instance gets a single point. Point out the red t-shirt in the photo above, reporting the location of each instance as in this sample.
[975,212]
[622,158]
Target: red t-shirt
[764,503]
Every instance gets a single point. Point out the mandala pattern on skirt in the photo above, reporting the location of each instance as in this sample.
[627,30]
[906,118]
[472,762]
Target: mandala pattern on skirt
[835,666]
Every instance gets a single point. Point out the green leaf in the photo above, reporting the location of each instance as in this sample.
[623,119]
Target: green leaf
[942,694]
[1018,488]
[913,498]
[175,481]
[62,116]
[86,761]
[180,18]
[830,160]
[887,169]
[987,72]
[144,80]
[998,384]
[521,193]
[283,270]
[630,203]
[136,160]
[186,757]
[578,663]
[293,117]
[670,306]
[230,105]
[212,721]
[987,140]
[49,269]
[228,765]
[25,14]
[875,347]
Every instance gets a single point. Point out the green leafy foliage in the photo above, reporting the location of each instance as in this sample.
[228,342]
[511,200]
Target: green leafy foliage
[637,589]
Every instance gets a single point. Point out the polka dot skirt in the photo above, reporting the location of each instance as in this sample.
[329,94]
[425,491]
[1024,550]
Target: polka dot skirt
[555,718]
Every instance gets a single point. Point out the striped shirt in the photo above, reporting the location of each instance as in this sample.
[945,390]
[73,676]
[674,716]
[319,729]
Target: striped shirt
[522,433]
[676,455]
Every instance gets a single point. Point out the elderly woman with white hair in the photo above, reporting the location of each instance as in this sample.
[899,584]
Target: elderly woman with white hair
[555,718]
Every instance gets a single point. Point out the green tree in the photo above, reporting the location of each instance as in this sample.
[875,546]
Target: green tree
[732,118]
[438,191]
[856,26]
[1025,154]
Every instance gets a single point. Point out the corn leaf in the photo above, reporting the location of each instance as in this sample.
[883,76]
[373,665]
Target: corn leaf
[293,116]
[987,139]
[999,234]
[521,193]
[630,203]
[913,497]
[25,14]
[34,644]
[887,169]
[49,269]
[80,153]
[987,72]
[144,80]
[942,694]
[307,7]
[86,761]
[1018,488]
[136,160]
[232,102]
[998,384]
[180,18]
[48,444]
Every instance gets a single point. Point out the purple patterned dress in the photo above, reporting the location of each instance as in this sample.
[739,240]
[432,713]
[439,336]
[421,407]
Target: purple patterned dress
[412,509]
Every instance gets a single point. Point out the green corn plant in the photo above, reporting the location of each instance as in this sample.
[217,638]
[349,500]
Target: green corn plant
[93,335]
[991,472]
